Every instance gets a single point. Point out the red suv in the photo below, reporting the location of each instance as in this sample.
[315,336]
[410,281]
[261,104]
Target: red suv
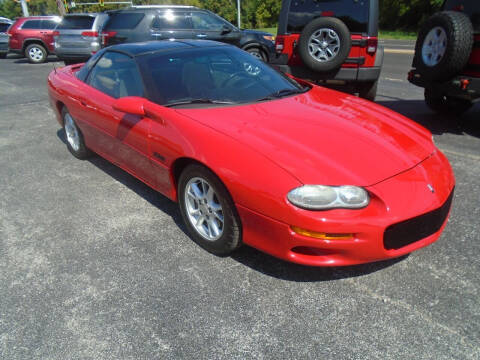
[331,42]
[447,58]
[33,37]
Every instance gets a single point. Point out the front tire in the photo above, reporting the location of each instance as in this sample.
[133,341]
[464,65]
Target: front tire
[208,211]
[258,53]
[75,142]
[36,53]
[443,104]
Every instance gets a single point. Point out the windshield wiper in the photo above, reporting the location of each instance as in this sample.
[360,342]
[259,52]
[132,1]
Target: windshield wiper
[200,101]
[283,92]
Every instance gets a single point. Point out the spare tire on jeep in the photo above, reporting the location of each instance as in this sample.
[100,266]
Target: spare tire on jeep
[444,45]
[324,44]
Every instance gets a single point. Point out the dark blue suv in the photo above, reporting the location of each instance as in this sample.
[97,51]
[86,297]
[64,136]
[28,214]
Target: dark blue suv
[163,22]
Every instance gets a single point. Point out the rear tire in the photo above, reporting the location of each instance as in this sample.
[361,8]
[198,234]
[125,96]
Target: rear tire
[208,211]
[36,53]
[443,104]
[324,44]
[368,90]
[444,45]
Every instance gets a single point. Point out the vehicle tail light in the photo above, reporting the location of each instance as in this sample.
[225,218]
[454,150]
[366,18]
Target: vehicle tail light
[90,33]
[328,13]
[372,44]
[55,33]
[106,35]
[279,43]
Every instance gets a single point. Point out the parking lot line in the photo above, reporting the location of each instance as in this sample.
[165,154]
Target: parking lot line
[400,51]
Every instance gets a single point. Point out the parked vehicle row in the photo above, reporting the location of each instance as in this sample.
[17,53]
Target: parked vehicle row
[4,25]
[75,37]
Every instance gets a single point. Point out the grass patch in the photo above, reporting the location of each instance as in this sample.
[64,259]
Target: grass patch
[397,35]
[383,34]
[272,30]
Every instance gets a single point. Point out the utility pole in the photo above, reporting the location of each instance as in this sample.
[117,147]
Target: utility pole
[61,7]
[24,8]
[238,14]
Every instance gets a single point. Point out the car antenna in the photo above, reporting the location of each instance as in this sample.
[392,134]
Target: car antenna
[54,68]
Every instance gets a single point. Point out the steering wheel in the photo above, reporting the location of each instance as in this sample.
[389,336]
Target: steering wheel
[239,76]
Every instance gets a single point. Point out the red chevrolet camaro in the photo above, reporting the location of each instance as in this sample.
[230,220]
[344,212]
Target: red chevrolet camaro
[303,173]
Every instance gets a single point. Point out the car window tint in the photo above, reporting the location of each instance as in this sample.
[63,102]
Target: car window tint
[76,22]
[32,24]
[353,13]
[4,27]
[205,21]
[116,75]
[49,24]
[85,69]
[218,74]
[172,21]
[124,20]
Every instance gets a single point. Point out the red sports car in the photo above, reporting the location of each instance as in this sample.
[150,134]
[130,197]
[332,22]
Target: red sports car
[252,156]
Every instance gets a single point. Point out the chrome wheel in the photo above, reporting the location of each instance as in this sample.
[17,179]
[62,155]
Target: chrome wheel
[35,53]
[71,131]
[434,46]
[203,208]
[256,53]
[324,45]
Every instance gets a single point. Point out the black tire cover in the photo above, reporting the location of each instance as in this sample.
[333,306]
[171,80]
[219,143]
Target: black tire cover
[459,31]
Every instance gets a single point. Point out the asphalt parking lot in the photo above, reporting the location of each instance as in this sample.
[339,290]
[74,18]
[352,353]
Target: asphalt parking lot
[96,265]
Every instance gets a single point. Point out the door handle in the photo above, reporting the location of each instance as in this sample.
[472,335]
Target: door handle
[201,35]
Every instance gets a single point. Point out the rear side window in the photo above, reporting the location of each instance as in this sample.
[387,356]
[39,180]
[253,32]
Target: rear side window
[48,24]
[76,22]
[172,21]
[205,21]
[124,21]
[353,13]
[32,24]
[469,7]
[4,27]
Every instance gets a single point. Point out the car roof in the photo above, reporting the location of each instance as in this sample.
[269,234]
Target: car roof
[136,49]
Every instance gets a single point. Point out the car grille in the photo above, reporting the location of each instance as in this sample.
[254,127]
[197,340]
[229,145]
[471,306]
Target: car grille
[409,231]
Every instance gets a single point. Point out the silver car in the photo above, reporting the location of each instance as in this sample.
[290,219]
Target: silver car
[4,25]
[78,36]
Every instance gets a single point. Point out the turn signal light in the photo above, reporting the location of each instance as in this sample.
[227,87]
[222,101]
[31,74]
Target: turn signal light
[320,235]
[372,44]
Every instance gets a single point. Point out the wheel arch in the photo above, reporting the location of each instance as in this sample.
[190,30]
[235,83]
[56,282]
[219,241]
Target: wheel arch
[30,41]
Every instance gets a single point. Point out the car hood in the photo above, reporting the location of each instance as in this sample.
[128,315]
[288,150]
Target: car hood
[324,137]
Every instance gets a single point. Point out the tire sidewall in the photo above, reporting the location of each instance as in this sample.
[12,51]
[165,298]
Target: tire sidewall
[458,49]
[83,152]
[41,48]
[231,237]
[345,44]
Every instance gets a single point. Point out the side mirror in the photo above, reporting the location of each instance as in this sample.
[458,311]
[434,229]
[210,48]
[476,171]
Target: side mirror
[130,105]
[226,29]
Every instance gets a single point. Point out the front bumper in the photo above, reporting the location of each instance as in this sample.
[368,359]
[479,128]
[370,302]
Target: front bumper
[393,201]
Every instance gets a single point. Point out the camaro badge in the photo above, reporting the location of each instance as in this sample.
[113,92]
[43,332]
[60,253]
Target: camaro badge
[430,187]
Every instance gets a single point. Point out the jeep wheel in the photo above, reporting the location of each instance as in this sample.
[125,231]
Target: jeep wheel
[36,53]
[443,104]
[444,45]
[324,44]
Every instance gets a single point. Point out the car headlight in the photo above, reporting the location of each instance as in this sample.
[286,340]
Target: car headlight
[269,37]
[320,197]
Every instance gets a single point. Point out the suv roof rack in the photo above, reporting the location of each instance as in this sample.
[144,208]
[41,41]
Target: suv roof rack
[163,6]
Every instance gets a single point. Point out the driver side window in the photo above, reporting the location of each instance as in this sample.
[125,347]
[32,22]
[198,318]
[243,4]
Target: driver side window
[116,75]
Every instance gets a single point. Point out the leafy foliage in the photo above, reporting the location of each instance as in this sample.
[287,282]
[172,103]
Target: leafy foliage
[394,14]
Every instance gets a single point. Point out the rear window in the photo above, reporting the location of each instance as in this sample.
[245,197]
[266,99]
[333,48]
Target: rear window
[76,22]
[469,7]
[124,20]
[353,13]
[49,24]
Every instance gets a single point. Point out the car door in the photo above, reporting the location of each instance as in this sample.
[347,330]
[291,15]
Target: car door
[211,27]
[46,31]
[171,24]
[120,137]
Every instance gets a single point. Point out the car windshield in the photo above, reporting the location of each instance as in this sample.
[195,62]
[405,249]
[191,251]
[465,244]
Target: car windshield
[212,75]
